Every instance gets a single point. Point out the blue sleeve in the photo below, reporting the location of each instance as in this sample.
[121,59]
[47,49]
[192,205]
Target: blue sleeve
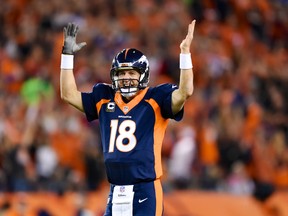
[164,99]
[90,99]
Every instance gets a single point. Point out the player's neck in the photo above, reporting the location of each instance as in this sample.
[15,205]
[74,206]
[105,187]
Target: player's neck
[127,99]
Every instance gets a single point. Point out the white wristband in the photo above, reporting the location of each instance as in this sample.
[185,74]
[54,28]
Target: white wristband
[67,61]
[185,61]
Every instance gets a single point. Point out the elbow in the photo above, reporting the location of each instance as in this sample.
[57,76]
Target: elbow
[185,94]
[186,91]
[189,92]
[64,97]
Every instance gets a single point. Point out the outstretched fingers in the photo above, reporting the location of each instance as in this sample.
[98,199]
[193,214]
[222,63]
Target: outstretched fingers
[82,44]
[186,43]
[65,32]
[70,45]
[68,29]
[71,30]
[191,30]
[76,30]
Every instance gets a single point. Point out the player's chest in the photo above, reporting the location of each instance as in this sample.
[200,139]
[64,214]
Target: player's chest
[112,111]
[125,130]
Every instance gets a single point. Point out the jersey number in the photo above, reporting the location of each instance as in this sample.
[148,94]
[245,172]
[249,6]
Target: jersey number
[126,131]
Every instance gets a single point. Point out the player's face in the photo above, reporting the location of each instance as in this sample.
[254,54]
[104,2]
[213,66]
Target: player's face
[128,78]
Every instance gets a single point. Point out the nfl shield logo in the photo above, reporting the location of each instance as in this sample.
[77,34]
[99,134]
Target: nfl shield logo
[125,108]
[122,189]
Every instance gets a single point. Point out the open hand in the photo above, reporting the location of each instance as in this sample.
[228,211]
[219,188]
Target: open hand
[186,43]
[70,34]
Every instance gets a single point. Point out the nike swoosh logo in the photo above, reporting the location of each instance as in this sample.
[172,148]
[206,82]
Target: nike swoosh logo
[142,200]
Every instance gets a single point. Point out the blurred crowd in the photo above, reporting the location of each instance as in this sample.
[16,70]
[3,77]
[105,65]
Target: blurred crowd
[234,135]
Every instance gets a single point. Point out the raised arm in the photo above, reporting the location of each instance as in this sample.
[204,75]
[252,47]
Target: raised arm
[68,87]
[185,90]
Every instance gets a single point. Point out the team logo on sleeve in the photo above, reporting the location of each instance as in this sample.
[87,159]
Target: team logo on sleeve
[110,107]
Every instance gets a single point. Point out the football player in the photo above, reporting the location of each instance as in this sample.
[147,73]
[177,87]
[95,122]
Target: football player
[133,118]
